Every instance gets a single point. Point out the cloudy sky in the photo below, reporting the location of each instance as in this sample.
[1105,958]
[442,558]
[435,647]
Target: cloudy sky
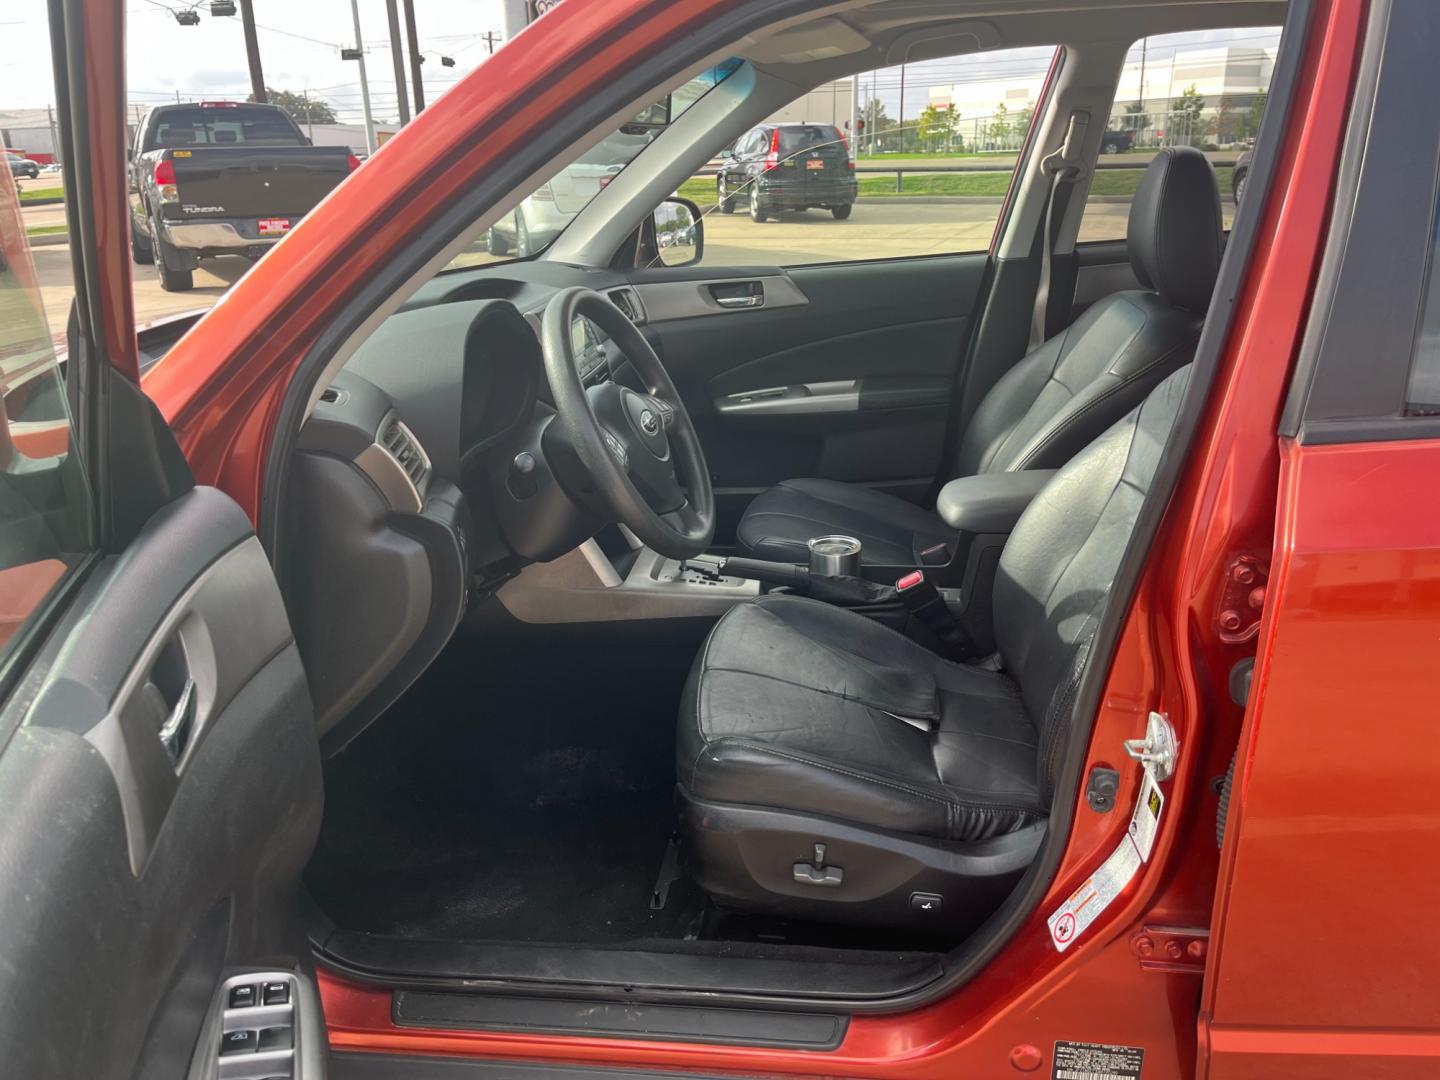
[299,48]
[300,51]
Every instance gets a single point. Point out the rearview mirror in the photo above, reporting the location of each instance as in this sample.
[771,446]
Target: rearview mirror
[679,233]
[651,118]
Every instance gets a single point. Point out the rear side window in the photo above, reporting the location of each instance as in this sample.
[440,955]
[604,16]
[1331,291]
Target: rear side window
[1422,396]
[812,136]
[224,126]
[1201,88]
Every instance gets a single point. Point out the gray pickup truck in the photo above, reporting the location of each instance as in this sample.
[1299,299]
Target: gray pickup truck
[221,178]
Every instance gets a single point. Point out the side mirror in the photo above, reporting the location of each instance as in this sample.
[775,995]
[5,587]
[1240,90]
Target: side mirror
[679,233]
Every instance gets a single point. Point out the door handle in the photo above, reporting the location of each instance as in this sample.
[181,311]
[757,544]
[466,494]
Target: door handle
[738,294]
[175,731]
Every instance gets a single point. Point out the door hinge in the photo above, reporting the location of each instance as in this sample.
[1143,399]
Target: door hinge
[1157,749]
[1242,598]
[1172,948]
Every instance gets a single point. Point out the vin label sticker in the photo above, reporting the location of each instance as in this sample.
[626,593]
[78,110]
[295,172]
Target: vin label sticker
[1096,1061]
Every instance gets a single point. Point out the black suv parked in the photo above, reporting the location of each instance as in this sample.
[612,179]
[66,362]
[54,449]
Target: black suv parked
[777,167]
[20,166]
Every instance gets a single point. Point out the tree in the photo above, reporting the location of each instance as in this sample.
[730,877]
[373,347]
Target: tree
[936,126]
[1188,107]
[305,110]
[1247,124]
[873,116]
[1136,118]
[999,130]
[1020,125]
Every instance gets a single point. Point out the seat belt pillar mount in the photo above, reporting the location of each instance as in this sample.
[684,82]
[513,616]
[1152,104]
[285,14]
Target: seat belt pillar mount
[1063,167]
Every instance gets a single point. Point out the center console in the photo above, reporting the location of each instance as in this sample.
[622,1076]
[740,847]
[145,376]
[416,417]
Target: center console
[616,578]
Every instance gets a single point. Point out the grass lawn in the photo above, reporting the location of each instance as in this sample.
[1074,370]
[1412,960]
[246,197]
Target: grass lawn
[45,230]
[993,184]
[36,194]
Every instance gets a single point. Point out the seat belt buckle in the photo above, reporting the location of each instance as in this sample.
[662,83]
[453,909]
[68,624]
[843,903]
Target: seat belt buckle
[916,592]
[925,602]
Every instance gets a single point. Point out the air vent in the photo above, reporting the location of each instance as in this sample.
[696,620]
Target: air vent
[629,303]
[402,445]
[332,395]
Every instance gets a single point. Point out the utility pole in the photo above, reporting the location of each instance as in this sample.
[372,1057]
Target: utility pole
[490,39]
[54,135]
[854,115]
[364,83]
[252,51]
[1144,46]
[413,38]
[900,124]
[397,54]
[309,120]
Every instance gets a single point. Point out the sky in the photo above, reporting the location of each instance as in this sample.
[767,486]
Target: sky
[300,42]
[299,47]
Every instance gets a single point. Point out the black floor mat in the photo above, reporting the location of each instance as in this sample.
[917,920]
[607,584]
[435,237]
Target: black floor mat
[512,795]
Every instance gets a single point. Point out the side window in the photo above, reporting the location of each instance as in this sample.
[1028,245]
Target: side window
[1204,88]
[44,500]
[901,162]
[1422,394]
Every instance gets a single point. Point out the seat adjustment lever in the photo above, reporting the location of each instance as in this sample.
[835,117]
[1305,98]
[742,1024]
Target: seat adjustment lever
[816,872]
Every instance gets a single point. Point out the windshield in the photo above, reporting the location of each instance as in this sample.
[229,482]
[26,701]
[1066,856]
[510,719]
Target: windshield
[211,125]
[541,217]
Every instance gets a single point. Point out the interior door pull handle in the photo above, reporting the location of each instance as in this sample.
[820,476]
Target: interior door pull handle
[175,731]
[750,300]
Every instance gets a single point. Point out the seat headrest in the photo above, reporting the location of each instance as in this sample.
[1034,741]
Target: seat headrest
[1175,228]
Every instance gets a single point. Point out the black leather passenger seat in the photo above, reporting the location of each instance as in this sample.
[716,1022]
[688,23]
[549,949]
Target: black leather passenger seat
[1056,399]
[831,768]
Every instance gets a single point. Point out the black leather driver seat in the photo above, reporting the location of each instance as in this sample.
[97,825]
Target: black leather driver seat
[1055,400]
[830,767]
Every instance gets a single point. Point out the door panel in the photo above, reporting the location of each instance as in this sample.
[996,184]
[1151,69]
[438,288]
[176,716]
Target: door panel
[161,788]
[843,371]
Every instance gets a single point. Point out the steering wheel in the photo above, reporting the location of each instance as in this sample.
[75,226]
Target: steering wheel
[639,450]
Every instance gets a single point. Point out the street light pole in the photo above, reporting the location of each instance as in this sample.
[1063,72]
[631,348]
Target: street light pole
[397,54]
[364,83]
[413,38]
[252,51]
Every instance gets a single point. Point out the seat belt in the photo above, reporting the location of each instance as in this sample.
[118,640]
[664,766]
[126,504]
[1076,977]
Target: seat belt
[1063,167]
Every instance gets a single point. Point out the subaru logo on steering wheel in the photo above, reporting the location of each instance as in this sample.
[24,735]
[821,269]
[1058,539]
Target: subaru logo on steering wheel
[649,423]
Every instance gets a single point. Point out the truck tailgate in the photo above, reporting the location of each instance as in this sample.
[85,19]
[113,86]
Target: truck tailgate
[257,181]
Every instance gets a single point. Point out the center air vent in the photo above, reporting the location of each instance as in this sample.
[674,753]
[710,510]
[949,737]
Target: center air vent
[402,445]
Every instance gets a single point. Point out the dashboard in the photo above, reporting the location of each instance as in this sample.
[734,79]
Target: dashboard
[424,477]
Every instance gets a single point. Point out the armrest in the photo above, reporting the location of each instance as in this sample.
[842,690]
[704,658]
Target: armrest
[990,503]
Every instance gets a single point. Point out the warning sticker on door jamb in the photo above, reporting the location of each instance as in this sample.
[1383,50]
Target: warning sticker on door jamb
[1100,889]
